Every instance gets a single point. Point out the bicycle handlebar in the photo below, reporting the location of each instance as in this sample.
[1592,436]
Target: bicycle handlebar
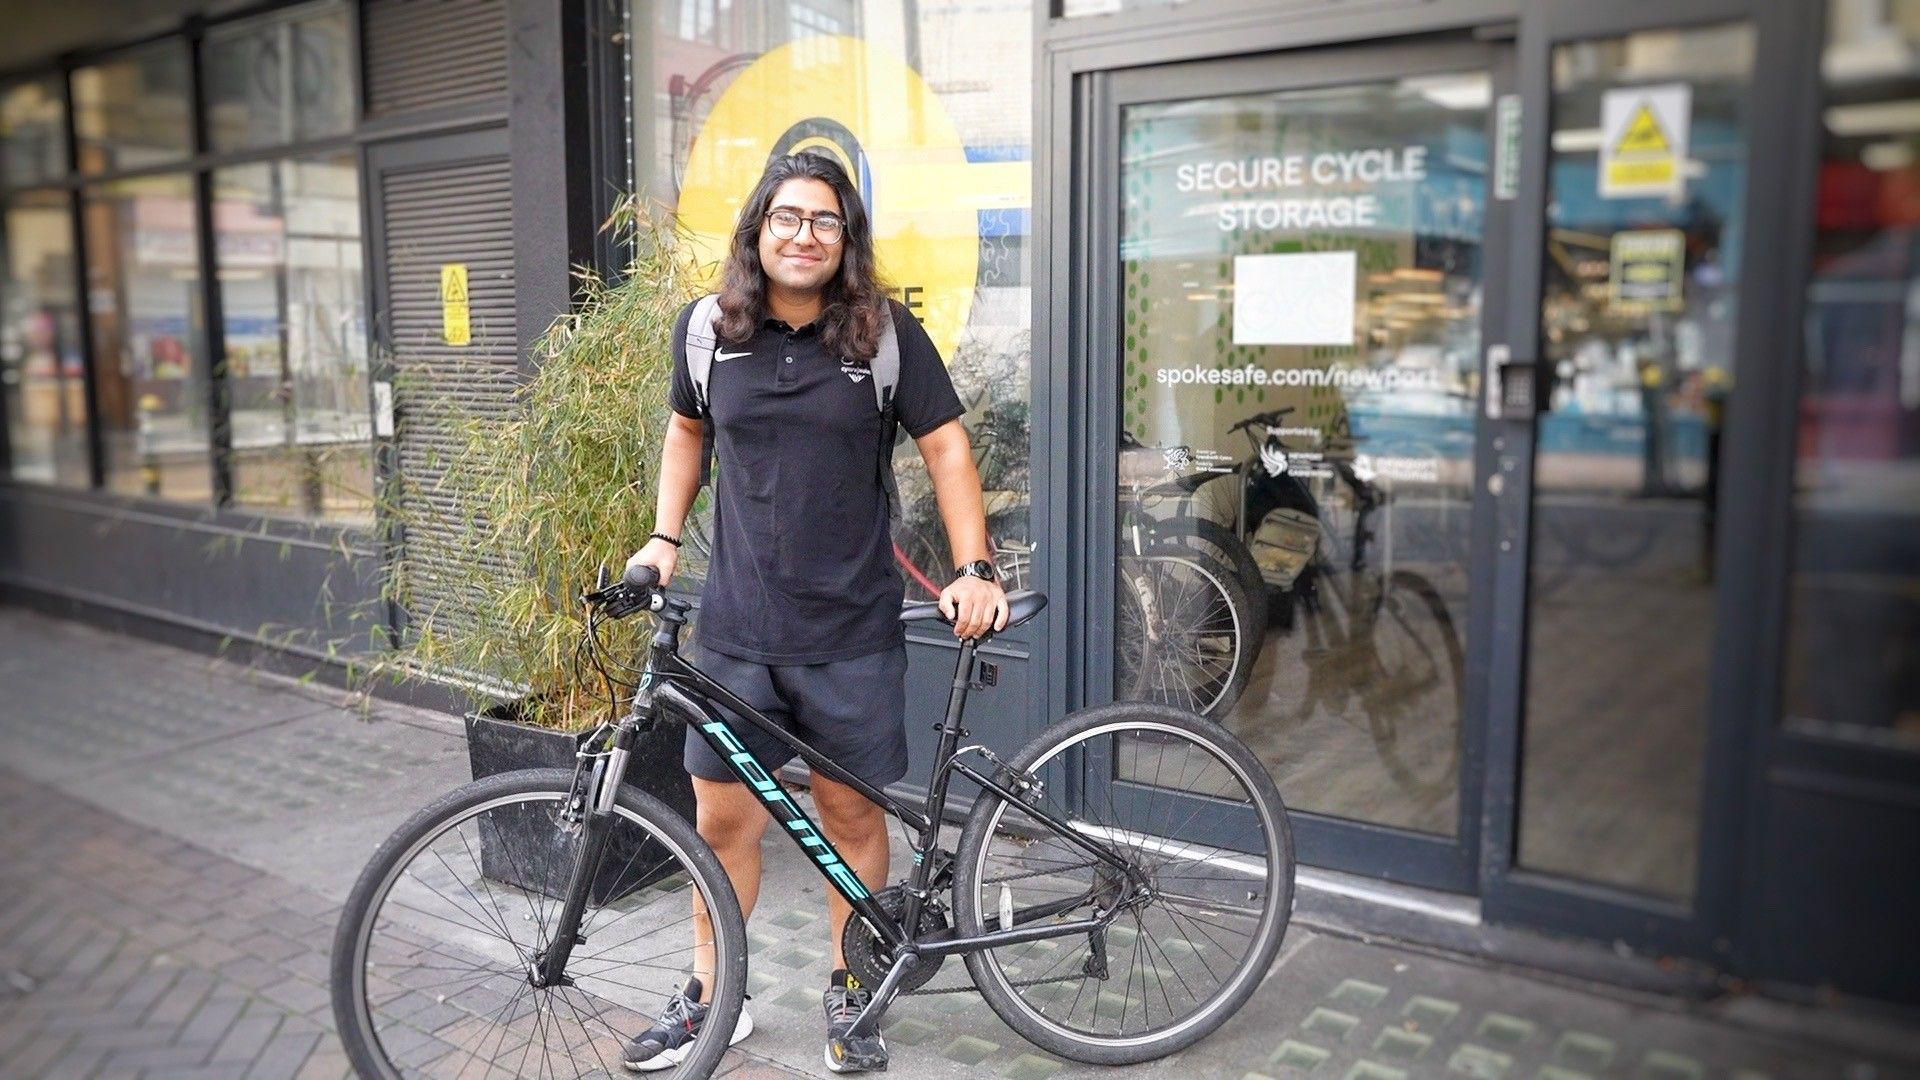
[638,589]
[1263,418]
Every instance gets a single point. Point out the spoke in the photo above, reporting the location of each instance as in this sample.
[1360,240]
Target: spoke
[1174,917]
[453,922]
[480,871]
[600,954]
[591,1043]
[484,913]
[1154,942]
[474,1053]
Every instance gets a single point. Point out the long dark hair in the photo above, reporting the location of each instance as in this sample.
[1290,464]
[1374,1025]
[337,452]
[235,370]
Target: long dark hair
[855,298]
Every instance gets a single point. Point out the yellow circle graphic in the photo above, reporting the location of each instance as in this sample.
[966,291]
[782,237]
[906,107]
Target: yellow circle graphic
[865,107]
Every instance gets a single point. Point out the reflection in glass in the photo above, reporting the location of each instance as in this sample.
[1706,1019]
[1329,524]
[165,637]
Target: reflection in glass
[41,367]
[295,330]
[143,285]
[929,106]
[134,109]
[1854,645]
[279,79]
[33,135]
[1301,284]
[1637,326]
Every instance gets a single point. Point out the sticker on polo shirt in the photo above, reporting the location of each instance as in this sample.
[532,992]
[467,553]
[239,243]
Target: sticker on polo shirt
[863,106]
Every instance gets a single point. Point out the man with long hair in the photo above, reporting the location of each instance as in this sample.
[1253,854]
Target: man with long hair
[800,611]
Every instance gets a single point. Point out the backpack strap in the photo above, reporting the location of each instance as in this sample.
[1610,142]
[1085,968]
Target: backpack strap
[886,379]
[700,344]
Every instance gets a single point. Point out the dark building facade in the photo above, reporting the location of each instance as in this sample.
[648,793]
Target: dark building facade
[1505,416]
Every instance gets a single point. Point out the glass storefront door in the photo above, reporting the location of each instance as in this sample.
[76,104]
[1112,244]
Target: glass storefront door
[1302,267]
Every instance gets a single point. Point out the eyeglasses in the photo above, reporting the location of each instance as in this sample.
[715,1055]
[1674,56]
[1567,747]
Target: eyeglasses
[827,228]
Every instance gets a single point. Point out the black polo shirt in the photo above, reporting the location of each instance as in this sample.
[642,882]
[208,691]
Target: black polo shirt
[802,569]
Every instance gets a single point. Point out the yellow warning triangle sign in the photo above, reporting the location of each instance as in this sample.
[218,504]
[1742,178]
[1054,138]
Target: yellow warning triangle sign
[1643,135]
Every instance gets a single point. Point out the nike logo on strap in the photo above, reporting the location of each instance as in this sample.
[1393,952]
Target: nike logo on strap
[723,354]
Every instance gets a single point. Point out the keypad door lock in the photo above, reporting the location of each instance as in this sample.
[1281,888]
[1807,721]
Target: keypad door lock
[1512,385]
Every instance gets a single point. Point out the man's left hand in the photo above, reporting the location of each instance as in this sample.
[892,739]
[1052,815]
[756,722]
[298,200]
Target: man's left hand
[975,606]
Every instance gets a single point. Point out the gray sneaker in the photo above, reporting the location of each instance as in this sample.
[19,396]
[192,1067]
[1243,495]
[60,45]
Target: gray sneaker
[844,1000]
[668,1042]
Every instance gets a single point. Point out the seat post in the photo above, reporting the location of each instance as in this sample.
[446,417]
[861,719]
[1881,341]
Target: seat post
[957,697]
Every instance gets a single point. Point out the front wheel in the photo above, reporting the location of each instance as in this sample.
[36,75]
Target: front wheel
[436,967]
[1192,921]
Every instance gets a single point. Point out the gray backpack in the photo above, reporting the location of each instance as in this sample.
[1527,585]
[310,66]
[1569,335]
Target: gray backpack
[701,342]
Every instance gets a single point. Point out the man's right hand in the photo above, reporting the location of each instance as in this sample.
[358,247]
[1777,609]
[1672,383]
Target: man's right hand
[658,554]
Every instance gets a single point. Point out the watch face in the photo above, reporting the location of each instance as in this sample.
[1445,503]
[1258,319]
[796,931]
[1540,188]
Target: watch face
[981,569]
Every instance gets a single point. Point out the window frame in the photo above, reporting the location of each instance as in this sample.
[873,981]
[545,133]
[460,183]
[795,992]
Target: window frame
[200,164]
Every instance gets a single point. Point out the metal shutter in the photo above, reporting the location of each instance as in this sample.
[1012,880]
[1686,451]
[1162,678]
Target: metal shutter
[428,54]
[453,213]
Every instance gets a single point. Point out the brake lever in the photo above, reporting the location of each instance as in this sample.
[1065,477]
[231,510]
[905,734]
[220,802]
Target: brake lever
[618,600]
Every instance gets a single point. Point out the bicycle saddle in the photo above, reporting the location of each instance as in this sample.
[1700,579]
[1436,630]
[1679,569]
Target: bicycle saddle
[1021,606]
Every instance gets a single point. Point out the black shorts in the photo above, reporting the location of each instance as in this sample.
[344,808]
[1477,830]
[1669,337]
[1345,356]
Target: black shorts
[854,711]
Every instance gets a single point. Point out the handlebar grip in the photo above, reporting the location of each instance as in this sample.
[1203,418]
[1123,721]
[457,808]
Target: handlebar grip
[642,576]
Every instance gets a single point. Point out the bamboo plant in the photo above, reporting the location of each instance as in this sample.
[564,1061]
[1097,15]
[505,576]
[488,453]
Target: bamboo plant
[537,502]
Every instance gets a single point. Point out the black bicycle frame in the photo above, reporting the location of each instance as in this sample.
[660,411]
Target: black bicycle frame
[674,681]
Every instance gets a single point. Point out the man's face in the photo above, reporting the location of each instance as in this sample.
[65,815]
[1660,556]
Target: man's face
[803,263]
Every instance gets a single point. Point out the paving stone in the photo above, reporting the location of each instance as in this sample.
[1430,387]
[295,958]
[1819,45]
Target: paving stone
[1356,994]
[1373,1070]
[1401,1045]
[1430,1012]
[283,1058]
[794,920]
[1329,1024]
[799,1000]
[1503,1030]
[910,1032]
[244,1040]
[297,995]
[209,1023]
[1583,1051]
[1299,1056]
[969,1050]
[1664,1065]
[1480,1062]
[1031,1067]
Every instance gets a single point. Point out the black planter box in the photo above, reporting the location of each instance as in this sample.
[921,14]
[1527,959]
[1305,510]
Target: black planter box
[520,847]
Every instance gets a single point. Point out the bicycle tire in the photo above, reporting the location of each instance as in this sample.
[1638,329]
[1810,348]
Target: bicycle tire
[1210,604]
[1068,744]
[1219,542]
[354,1010]
[1386,739]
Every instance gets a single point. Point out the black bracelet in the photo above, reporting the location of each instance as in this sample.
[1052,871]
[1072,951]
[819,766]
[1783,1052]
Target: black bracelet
[663,536]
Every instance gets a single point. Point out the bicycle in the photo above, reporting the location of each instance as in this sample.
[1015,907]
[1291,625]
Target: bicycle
[1187,626]
[1370,633]
[1313,528]
[1127,842]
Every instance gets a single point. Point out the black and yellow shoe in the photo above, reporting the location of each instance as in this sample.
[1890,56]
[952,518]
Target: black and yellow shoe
[844,1000]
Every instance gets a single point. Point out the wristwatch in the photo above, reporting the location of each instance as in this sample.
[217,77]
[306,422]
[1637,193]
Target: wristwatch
[980,568]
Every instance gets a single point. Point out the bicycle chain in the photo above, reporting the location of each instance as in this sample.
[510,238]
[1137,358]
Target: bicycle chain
[1038,873]
[970,989]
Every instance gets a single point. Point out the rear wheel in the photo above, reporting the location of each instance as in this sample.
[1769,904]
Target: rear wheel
[1190,812]
[1183,630]
[1218,542]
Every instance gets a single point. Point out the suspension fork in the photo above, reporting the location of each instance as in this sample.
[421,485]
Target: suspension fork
[550,965]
